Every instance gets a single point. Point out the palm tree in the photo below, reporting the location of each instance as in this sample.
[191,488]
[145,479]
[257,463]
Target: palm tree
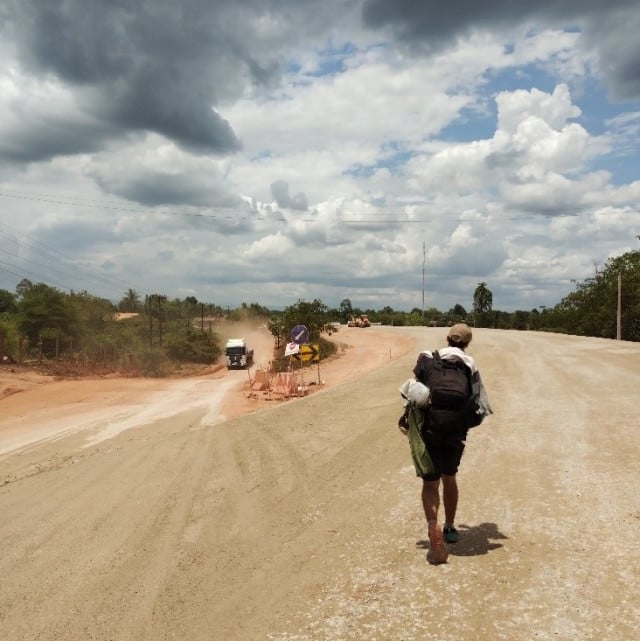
[482,300]
[130,302]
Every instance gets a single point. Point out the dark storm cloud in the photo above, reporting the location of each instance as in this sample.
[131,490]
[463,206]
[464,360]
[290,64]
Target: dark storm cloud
[149,66]
[152,188]
[69,235]
[44,137]
[611,28]
[159,66]
[280,191]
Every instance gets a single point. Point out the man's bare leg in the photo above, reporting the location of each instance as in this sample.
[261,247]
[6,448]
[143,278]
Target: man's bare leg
[449,497]
[431,503]
[431,499]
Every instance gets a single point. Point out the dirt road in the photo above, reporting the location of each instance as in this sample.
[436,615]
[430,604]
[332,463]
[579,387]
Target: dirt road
[302,521]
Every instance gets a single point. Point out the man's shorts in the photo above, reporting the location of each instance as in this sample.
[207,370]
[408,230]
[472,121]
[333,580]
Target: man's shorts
[445,454]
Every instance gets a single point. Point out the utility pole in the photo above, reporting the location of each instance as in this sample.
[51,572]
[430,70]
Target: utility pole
[147,304]
[423,262]
[619,315]
[160,299]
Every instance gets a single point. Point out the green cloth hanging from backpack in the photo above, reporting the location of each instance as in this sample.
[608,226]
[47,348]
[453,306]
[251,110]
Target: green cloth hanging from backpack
[421,459]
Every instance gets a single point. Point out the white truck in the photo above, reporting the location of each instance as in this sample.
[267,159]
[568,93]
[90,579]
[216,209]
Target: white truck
[237,354]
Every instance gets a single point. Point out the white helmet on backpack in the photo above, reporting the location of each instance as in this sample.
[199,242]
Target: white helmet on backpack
[415,392]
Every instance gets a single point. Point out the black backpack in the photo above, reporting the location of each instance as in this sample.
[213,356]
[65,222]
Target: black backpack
[450,385]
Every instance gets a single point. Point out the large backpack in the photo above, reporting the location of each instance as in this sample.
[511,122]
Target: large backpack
[450,385]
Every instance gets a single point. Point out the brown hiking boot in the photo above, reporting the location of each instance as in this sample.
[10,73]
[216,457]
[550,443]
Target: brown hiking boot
[438,548]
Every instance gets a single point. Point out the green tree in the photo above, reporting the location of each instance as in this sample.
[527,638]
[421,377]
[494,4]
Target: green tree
[482,304]
[433,317]
[628,266]
[456,314]
[92,313]
[482,298]
[8,303]
[415,317]
[591,310]
[23,287]
[277,329]
[187,345]
[46,312]
[521,320]
[346,310]
[387,316]
[4,332]
[253,313]
[8,327]
[191,309]
[312,314]
[130,302]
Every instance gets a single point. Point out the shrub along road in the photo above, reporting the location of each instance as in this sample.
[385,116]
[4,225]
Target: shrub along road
[302,521]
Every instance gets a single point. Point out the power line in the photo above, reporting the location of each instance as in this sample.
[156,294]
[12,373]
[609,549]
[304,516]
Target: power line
[7,267]
[50,265]
[45,198]
[48,198]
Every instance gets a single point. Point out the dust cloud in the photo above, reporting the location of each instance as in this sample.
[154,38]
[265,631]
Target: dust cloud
[257,335]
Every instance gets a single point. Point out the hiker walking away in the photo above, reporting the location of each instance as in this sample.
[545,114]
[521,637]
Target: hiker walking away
[456,401]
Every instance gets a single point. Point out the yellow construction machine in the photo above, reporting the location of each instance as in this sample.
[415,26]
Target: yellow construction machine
[359,321]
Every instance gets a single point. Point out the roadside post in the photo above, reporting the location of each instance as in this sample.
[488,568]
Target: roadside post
[299,337]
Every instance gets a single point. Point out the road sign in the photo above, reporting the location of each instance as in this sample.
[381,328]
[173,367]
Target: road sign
[291,348]
[300,334]
[307,353]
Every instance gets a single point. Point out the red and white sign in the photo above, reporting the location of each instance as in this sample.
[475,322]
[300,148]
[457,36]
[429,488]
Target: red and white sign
[291,348]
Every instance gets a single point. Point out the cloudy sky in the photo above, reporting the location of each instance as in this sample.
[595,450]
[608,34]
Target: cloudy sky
[274,150]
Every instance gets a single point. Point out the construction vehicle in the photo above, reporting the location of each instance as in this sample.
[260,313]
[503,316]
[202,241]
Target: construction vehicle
[359,321]
[237,354]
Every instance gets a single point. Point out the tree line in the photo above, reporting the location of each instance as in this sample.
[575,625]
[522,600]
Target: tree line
[590,310]
[38,322]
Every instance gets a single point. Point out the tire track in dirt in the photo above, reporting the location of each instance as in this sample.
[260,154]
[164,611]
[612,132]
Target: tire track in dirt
[125,575]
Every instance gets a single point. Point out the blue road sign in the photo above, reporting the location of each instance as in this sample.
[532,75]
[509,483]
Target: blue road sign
[300,334]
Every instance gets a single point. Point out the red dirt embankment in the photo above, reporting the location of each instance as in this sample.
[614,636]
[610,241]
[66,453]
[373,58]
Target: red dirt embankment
[36,406]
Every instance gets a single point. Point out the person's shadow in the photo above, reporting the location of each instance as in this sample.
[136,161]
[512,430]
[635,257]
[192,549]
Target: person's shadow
[474,540]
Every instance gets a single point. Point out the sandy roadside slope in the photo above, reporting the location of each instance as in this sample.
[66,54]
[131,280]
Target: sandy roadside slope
[302,521]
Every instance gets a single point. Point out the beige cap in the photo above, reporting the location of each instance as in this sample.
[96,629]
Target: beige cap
[460,333]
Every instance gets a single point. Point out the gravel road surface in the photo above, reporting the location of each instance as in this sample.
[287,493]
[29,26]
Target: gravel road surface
[302,521]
